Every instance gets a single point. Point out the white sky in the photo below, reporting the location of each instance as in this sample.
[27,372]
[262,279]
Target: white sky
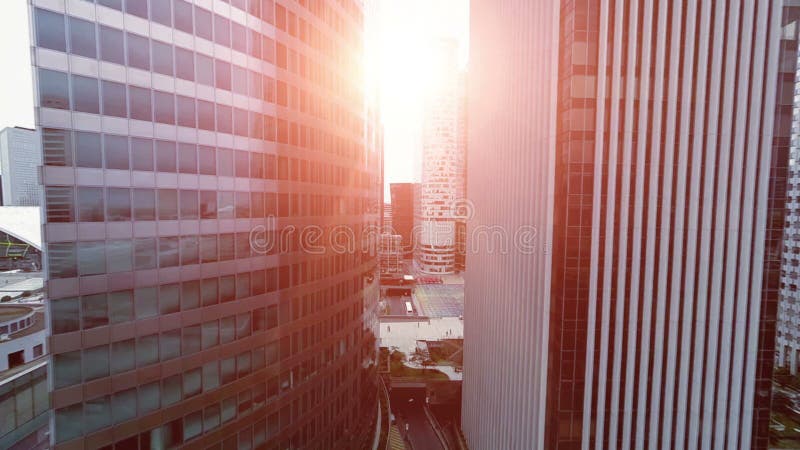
[406,29]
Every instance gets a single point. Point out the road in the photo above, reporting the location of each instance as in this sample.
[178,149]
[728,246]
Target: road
[407,406]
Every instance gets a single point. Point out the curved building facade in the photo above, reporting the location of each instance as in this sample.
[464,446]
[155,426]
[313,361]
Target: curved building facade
[186,146]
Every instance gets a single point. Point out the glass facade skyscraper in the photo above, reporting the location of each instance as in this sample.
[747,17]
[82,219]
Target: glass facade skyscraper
[179,139]
[638,152]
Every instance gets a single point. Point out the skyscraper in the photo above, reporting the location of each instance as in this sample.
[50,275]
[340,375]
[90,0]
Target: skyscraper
[442,186]
[19,158]
[180,141]
[403,213]
[637,153]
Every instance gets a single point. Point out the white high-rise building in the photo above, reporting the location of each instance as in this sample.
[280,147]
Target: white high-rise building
[443,157]
[20,158]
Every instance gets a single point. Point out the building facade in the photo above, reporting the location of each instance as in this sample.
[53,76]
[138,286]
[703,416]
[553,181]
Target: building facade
[19,159]
[402,198]
[186,146]
[638,152]
[443,162]
[391,254]
[787,339]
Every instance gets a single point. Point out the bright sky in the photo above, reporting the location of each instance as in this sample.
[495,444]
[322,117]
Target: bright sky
[400,57]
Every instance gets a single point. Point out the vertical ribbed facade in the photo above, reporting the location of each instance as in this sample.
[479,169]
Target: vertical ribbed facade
[672,125]
[186,146]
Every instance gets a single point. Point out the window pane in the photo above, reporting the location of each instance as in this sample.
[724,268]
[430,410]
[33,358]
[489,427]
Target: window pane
[167,204]
[222,31]
[87,150]
[208,292]
[67,369]
[183,16]
[84,95]
[146,350]
[168,256]
[120,305]
[95,362]
[202,23]
[136,7]
[94,310]
[115,102]
[190,250]
[242,160]
[50,30]
[144,204]
[239,38]
[57,147]
[123,356]
[65,315]
[210,334]
[142,151]
[162,58]
[165,156]
[138,51]
[111,45]
[189,205]
[222,74]
[91,258]
[207,160]
[116,152]
[123,406]
[53,89]
[82,38]
[187,158]
[205,69]
[170,343]
[186,113]
[184,64]
[208,204]
[161,12]
[225,205]
[190,293]
[115,4]
[62,259]
[140,106]
[208,249]
[144,256]
[119,204]
[90,204]
[97,413]
[60,204]
[149,395]
[205,115]
[146,302]
[224,119]
[164,107]
[119,255]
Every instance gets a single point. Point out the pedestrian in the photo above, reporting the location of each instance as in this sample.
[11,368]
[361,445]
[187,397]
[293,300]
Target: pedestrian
[406,427]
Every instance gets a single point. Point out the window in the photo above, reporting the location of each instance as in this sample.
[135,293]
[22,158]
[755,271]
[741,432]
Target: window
[90,204]
[60,204]
[171,390]
[144,256]
[227,284]
[115,102]
[142,151]
[225,205]
[241,122]
[62,259]
[162,58]
[119,255]
[53,89]
[161,12]
[222,74]
[56,147]
[224,119]
[82,38]
[204,72]
[123,356]
[222,31]
[97,413]
[123,405]
[164,105]
[190,250]
[69,422]
[119,205]
[189,205]
[144,204]
[187,158]
[95,362]
[208,205]
[116,152]
[207,159]
[226,252]
[50,30]
[149,396]
[170,343]
[115,4]
[138,51]
[136,7]
[167,204]
[184,64]
[239,80]
[186,113]
[111,45]
[84,95]
[146,302]
[205,115]
[208,292]
[242,163]
[91,258]
[210,334]
[191,340]
[168,256]
[87,150]
[65,315]
[202,23]
[67,369]
[183,16]
[140,104]
[94,311]
[120,305]
[146,350]
[239,38]
[166,160]
[190,290]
